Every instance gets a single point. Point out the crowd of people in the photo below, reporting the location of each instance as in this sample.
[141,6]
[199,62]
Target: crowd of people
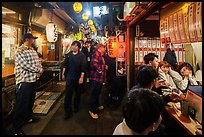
[88,62]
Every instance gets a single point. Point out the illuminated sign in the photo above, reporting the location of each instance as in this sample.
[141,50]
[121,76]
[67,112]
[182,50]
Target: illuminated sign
[100,10]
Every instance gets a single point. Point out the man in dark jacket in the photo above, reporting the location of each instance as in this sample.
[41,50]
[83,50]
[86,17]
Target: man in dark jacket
[73,71]
[170,56]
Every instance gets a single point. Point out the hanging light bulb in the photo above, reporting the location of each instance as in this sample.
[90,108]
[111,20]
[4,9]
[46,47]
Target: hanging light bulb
[51,32]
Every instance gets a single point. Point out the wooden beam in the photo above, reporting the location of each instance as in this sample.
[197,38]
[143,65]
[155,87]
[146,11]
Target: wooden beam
[152,7]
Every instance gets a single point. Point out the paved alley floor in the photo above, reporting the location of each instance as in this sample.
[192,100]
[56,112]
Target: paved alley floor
[81,122]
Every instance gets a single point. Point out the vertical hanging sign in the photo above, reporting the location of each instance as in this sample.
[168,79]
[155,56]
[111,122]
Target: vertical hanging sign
[191,16]
[162,35]
[166,29]
[181,26]
[171,31]
[186,24]
[199,20]
[175,26]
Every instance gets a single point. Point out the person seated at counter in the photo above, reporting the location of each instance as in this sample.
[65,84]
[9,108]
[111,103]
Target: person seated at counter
[142,113]
[168,75]
[147,77]
[188,77]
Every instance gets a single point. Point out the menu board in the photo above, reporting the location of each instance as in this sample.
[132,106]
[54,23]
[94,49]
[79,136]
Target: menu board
[145,41]
[162,55]
[171,29]
[121,52]
[136,42]
[180,56]
[166,28]
[141,56]
[162,33]
[154,43]
[175,26]
[181,26]
[136,56]
[199,20]
[191,16]
[185,19]
[149,43]
[158,43]
[158,53]
[145,53]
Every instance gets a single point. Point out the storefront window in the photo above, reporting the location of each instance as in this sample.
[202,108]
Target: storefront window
[9,44]
[10,14]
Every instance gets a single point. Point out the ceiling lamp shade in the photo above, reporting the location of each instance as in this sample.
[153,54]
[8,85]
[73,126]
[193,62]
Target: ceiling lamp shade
[77,6]
[51,32]
[90,22]
[85,16]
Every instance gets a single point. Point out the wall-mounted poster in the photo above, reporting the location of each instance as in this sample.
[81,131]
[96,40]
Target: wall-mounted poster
[199,20]
[149,43]
[158,43]
[166,30]
[162,45]
[121,52]
[162,55]
[181,26]
[171,29]
[154,43]
[145,53]
[176,31]
[141,56]
[145,42]
[158,53]
[185,20]
[120,68]
[184,56]
[180,56]
[136,56]
[162,35]
[141,43]
[136,42]
[191,15]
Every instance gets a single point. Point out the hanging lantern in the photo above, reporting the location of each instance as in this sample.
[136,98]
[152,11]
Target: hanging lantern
[90,22]
[51,32]
[95,32]
[85,16]
[77,6]
[92,27]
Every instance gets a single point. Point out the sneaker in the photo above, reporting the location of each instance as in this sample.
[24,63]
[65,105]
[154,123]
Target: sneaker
[100,107]
[33,120]
[94,116]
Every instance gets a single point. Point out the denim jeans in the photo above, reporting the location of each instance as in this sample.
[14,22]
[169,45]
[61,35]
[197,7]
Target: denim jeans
[96,88]
[72,86]
[25,97]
